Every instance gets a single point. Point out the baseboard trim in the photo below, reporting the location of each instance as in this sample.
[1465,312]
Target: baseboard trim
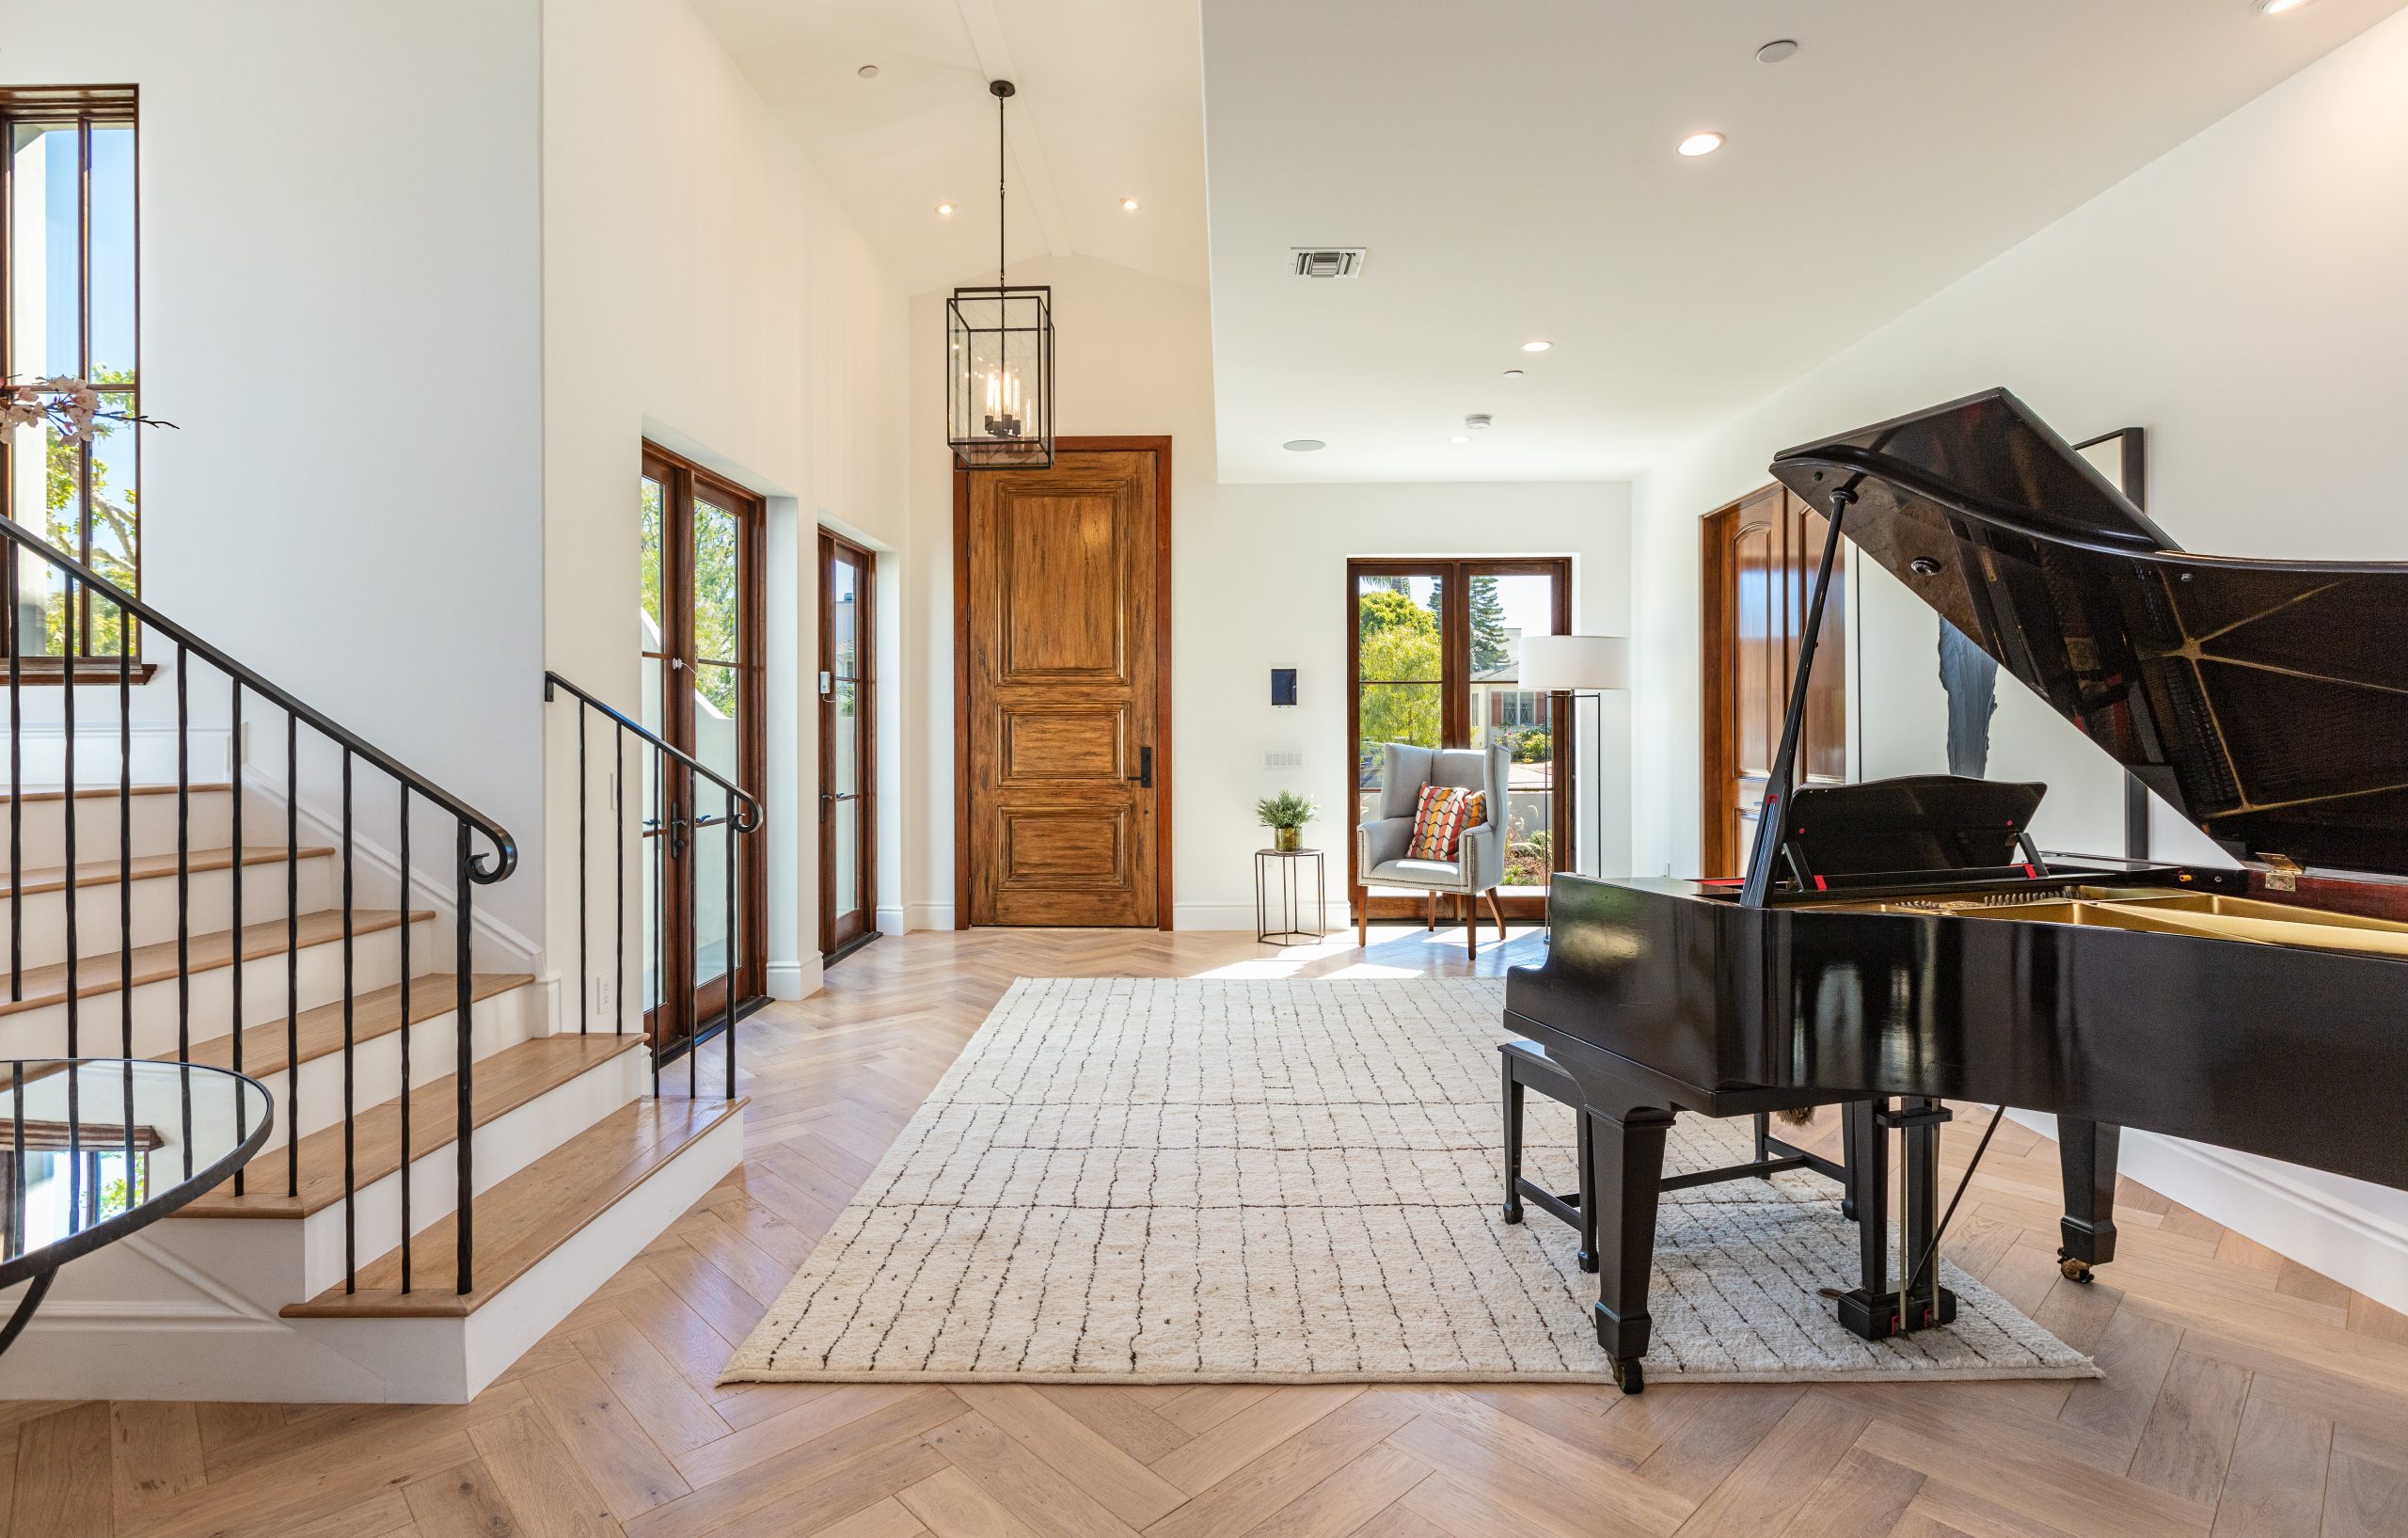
[928,915]
[783,980]
[2262,1199]
[892,921]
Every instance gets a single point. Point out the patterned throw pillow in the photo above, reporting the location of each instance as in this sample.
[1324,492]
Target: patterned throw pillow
[1440,822]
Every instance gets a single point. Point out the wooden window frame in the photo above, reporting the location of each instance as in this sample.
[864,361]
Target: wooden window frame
[864,682]
[1455,695]
[87,106]
[682,481]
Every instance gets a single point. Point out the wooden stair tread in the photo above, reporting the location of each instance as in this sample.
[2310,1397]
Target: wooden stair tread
[526,1217]
[375,1013]
[502,1083]
[101,792]
[144,867]
[156,963]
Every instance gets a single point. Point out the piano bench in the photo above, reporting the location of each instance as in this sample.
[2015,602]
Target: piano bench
[1527,1066]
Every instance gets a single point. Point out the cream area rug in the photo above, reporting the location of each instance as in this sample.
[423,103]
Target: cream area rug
[1278,1182]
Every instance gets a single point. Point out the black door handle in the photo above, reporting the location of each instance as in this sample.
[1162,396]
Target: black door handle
[1144,775]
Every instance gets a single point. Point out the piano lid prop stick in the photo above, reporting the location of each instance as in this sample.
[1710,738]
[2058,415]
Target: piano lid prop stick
[1772,812]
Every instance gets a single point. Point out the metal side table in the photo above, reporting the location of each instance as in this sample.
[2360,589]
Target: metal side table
[1281,870]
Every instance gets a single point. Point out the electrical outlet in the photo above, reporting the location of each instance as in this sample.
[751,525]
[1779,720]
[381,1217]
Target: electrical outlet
[602,992]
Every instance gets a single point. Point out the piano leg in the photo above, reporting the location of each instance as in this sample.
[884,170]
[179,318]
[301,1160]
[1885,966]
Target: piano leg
[1513,1144]
[2088,1150]
[1626,1155]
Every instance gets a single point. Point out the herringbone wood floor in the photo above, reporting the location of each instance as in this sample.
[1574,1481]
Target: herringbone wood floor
[2243,1395]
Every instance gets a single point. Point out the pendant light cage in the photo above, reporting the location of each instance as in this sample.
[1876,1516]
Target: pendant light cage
[999,407]
[999,356]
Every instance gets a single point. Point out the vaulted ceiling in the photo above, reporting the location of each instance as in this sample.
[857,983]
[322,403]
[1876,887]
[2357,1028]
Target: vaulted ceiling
[1511,170]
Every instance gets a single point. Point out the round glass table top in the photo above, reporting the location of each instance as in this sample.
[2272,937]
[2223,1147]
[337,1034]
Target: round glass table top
[93,1148]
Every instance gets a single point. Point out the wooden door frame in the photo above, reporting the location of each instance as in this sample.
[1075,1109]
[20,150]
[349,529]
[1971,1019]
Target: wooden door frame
[683,476]
[1454,721]
[866,717]
[1159,446]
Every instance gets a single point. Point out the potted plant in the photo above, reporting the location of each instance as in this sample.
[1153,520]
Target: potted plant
[1286,815]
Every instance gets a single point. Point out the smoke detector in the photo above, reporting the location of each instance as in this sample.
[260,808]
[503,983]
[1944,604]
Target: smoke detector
[1478,420]
[1327,260]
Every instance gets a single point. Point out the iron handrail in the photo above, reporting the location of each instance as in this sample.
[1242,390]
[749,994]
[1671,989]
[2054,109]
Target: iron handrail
[481,870]
[751,822]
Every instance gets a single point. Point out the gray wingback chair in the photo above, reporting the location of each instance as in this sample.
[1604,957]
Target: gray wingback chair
[1479,865]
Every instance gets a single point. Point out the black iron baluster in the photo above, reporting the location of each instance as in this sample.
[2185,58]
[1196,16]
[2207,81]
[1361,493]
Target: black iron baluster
[183,854]
[689,875]
[75,960]
[350,1116]
[406,1039]
[234,781]
[584,977]
[727,1033]
[660,912]
[126,850]
[465,1195]
[619,816]
[17,792]
[291,953]
[17,1094]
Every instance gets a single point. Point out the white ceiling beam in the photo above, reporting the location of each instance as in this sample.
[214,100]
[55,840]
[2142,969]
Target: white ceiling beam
[1033,189]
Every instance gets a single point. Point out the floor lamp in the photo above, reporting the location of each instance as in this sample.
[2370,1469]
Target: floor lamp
[1587,668]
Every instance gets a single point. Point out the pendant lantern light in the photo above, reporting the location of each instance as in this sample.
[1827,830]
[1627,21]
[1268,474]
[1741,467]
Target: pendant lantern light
[999,356]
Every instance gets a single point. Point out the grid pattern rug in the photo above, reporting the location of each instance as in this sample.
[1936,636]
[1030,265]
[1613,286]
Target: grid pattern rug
[1278,1182]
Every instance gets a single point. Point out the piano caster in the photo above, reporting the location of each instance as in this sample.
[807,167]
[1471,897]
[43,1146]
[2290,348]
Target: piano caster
[1628,1376]
[2073,1270]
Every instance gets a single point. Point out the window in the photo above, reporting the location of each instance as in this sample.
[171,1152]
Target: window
[1436,661]
[68,307]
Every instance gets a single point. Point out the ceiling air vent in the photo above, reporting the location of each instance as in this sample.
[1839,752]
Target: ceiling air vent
[1327,261]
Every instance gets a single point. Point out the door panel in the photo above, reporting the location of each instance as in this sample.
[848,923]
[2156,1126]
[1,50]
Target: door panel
[1062,682]
[1761,557]
[848,747]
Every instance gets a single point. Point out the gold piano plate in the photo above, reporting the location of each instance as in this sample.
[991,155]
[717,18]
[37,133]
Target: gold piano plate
[2148,908]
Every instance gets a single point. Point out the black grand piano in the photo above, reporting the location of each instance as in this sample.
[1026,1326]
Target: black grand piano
[1897,942]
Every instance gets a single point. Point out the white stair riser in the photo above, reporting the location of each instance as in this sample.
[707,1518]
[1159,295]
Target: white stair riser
[503,1021]
[42,827]
[209,906]
[100,751]
[118,1327]
[503,1147]
[376,963]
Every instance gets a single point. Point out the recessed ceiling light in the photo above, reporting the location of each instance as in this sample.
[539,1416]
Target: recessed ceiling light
[1536,346]
[1128,205]
[1459,437]
[867,71]
[1303,446]
[1701,144]
[944,210]
[1777,50]
[2275,8]
[1512,373]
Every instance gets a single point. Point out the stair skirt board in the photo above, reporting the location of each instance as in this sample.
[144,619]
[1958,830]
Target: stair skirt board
[150,1319]
[209,821]
[41,1030]
[208,900]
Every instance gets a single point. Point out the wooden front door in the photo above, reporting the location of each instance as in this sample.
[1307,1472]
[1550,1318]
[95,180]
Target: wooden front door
[1759,557]
[1063,646]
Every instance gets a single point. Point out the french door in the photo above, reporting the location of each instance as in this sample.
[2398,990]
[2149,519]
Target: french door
[1434,660]
[848,748]
[703,694]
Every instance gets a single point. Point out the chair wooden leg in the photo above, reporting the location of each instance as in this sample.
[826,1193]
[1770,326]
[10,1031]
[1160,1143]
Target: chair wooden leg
[1430,909]
[1496,912]
[1363,919]
[1468,906]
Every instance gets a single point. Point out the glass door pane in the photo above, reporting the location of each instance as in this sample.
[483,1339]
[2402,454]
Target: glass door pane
[1401,669]
[652,640]
[847,895]
[1501,610]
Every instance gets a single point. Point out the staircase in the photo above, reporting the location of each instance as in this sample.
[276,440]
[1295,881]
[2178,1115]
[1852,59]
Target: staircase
[451,1169]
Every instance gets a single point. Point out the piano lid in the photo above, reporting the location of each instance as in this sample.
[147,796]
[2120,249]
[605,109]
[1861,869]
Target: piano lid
[2267,701]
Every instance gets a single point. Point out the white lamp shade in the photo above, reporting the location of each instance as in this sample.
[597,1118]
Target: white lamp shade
[1575,662]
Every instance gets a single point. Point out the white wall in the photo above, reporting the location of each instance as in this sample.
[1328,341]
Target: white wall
[340,268]
[703,287]
[1259,580]
[2242,299]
